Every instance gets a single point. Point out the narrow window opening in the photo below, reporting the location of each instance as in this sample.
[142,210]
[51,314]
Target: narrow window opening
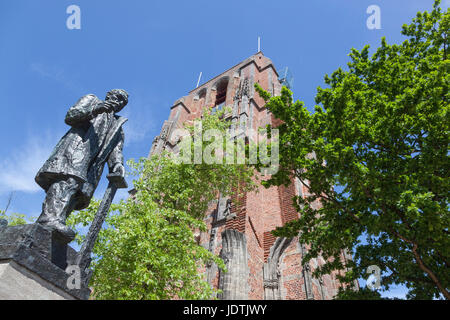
[221,96]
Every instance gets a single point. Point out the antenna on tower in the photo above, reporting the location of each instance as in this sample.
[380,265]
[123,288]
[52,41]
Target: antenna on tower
[286,78]
[199,77]
[259,44]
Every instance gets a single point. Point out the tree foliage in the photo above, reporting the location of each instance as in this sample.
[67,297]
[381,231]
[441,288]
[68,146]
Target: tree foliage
[15,218]
[363,293]
[147,248]
[375,153]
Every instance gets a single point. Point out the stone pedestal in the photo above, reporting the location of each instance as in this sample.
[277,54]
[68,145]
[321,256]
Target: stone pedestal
[33,261]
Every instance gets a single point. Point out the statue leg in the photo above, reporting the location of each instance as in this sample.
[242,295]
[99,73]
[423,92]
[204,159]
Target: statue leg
[58,204]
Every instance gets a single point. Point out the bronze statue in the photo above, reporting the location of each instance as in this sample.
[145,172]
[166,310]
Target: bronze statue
[73,170]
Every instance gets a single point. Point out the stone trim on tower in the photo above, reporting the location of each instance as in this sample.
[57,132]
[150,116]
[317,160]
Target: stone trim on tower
[271,271]
[234,282]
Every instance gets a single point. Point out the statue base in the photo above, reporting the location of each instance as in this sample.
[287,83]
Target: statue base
[33,260]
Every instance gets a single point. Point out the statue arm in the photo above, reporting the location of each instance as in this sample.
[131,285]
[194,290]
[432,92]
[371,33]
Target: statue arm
[115,160]
[86,108]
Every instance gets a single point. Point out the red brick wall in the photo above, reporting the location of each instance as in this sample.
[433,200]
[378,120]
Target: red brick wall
[287,208]
[238,207]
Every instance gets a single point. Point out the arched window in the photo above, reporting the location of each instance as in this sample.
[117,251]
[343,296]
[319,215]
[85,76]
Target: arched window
[201,96]
[221,94]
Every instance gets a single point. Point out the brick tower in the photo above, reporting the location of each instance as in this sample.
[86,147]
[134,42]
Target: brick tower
[259,265]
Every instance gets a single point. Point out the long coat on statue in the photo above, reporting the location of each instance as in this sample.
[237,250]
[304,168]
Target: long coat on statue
[93,140]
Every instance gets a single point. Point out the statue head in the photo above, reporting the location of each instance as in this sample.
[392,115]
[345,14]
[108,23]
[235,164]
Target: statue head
[117,98]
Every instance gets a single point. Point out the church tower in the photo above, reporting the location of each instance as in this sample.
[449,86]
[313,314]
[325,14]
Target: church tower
[259,266]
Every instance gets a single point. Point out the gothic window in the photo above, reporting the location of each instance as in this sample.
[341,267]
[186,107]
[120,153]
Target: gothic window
[221,95]
[300,189]
[201,98]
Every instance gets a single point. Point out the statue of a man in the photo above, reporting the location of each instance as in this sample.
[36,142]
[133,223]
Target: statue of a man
[73,171]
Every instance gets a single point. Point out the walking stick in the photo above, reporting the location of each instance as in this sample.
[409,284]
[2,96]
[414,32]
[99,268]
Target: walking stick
[83,259]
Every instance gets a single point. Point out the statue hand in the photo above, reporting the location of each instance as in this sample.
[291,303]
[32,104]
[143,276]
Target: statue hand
[119,169]
[102,108]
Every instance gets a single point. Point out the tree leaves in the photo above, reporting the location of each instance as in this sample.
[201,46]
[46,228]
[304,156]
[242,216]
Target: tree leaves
[375,154]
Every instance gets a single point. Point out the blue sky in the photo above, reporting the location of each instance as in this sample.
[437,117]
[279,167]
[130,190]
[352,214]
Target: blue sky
[155,50]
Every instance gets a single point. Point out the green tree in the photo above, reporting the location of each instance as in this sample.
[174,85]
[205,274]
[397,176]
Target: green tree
[147,248]
[363,293]
[15,218]
[375,153]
